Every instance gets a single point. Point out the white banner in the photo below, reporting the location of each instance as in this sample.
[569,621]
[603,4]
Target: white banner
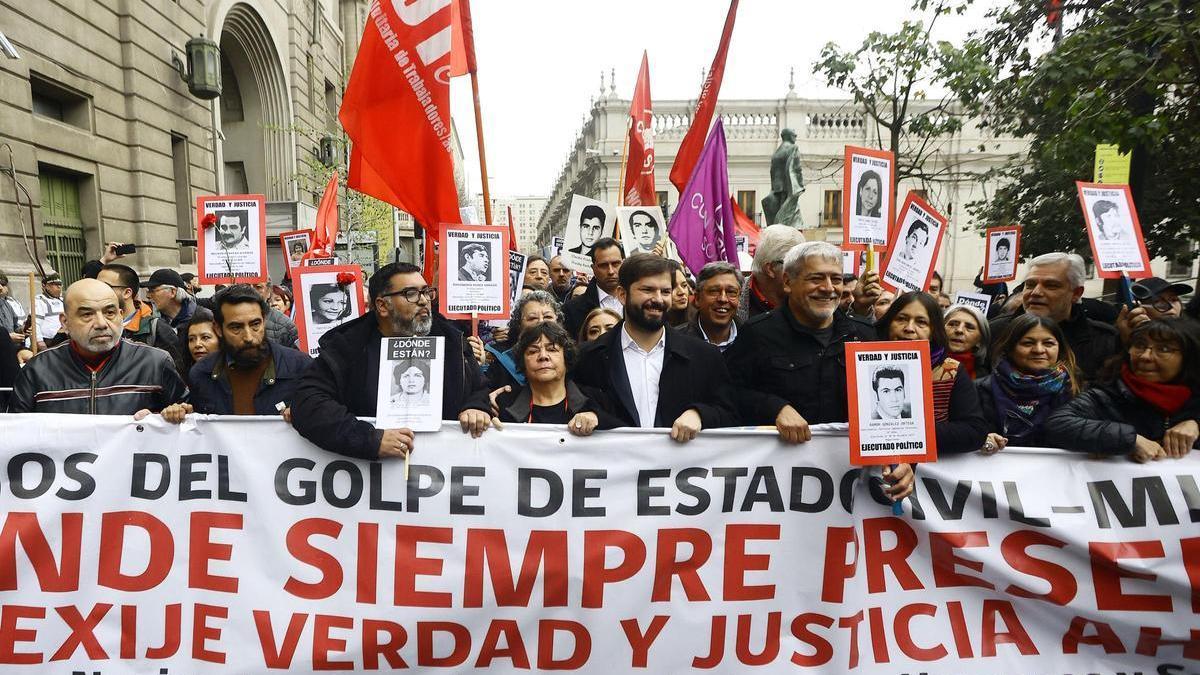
[231,545]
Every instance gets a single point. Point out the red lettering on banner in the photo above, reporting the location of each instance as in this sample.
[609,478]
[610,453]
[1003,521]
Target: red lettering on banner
[112,549]
[83,632]
[595,572]
[667,566]
[490,649]
[1015,633]
[1191,564]
[877,635]
[279,656]
[902,625]
[583,644]
[62,577]
[202,549]
[325,644]
[1107,576]
[945,562]
[837,569]
[958,626]
[1104,636]
[202,632]
[1150,639]
[128,632]
[458,633]
[303,551]
[368,561]
[172,634]
[546,550]
[896,558]
[409,567]
[822,650]
[11,633]
[852,622]
[640,642]
[716,646]
[1063,585]
[389,649]
[770,643]
[738,562]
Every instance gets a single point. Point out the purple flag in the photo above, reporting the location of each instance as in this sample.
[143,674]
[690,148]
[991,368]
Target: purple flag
[702,226]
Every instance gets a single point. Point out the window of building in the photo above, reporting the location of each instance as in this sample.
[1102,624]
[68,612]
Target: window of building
[57,101]
[181,175]
[748,204]
[831,209]
[331,108]
[62,223]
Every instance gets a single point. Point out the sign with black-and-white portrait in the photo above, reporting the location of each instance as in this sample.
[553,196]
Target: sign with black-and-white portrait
[474,272]
[867,209]
[411,371]
[909,262]
[642,228]
[588,222]
[1114,230]
[1003,252]
[232,239]
[294,245]
[324,298]
[891,402]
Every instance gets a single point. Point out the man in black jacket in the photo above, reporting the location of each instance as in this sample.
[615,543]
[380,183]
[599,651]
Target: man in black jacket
[789,365]
[607,256]
[656,376]
[342,383]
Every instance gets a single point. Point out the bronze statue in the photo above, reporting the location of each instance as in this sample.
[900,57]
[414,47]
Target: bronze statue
[787,184]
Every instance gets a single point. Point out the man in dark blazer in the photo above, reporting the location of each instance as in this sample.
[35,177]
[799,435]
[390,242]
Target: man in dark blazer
[607,256]
[657,377]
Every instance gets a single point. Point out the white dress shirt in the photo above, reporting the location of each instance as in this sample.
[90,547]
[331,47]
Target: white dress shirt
[719,345]
[644,369]
[609,301]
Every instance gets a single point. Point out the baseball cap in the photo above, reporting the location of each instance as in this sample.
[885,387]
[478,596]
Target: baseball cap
[52,278]
[187,277]
[1152,287]
[164,277]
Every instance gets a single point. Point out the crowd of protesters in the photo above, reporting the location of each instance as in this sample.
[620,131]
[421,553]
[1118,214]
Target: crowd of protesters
[639,343]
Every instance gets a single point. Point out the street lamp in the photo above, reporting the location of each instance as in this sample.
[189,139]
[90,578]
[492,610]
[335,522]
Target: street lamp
[203,69]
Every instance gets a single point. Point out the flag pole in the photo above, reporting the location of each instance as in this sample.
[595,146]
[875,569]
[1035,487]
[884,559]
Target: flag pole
[483,172]
[624,159]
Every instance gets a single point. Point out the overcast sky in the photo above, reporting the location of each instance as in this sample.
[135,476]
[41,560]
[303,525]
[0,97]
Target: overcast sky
[540,63]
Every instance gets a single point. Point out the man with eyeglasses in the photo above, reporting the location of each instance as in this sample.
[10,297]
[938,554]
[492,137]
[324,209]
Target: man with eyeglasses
[141,322]
[341,384]
[718,293]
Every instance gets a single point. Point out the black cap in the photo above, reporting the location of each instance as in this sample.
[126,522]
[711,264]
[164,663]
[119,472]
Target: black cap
[52,278]
[164,277]
[187,277]
[1148,289]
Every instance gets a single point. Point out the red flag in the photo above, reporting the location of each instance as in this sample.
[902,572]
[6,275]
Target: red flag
[396,112]
[512,232]
[1054,13]
[325,235]
[743,225]
[693,142]
[462,39]
[639,171]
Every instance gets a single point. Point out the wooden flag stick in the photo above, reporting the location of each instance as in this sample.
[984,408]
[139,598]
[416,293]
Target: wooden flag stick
[483,172]
[621,177]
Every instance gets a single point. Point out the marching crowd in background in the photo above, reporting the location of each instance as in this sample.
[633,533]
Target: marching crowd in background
[640,344]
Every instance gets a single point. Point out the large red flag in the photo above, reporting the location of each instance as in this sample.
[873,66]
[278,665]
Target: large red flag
[693,142]
[462,39]
[743,225]
[396,112]
[639,171]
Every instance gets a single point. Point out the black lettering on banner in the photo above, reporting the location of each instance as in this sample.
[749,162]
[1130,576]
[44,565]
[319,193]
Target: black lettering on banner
[730,474]
[329,475]
[952,510]
[378,503]
[188,475]
[824,494]
[1016,512]
[415,493]
[308,489]
[554,499]
[224,491]
[846,488]
[139,488]
[16,475]
[460,489]
[581,492]
[646,491]
[683,483]
[1191,496]
[71,469]
[1106,497]
[764,489]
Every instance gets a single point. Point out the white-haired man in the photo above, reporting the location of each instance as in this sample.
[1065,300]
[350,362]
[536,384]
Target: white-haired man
[764,291]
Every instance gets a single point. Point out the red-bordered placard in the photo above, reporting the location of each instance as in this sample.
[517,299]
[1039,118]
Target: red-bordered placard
[317,294]
[906,261]
[1114,231]
[470,286]
[994,269]
[854,176]
[227,257]
[294,244]
[890,395]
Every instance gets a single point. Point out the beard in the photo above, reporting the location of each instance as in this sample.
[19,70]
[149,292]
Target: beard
[247,356]
[636,315]
[418,326]
[99,342]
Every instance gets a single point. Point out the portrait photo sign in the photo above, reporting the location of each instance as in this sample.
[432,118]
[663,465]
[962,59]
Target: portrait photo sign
[294,244]
[473,271]
[588,222]
[916,241]
[867,209]
[1113,230]
[321,303]
[1003,252]
[410,383]
[233,247]
[642,227]
[891,402]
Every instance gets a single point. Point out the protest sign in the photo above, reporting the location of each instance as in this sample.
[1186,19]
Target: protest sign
[325,297]
[980,301]
[867,209]
[1112,165]
[642,227]
[516,276]
[891,402]
[470,215]
[320,262]
[588,221]
[918,237]
[232,545]
[1003,251]
[474,283]
[294,244]
[410,383]
[232,239]
[1113,230]
[556,246]
[852,262]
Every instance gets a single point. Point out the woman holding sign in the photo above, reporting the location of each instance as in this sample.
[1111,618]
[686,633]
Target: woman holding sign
[1146,407]
[958,422]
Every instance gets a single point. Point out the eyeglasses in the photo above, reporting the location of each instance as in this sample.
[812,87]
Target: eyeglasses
[1162,304]
[1160,351]
[413,295]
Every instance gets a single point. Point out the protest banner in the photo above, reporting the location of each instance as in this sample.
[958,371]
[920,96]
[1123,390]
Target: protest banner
[516,277]
[1003,251]
[410,383]
[472,284]
[867,209]
[1114,231]
[980,301]
[917,240]
[588,221]
[325,297]
[232,239]
[294,244]
[642,228]
[891,402]
[232,545]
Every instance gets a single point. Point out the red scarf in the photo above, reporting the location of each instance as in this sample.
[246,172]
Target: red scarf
[93,362]
[1168,399]
[967,359]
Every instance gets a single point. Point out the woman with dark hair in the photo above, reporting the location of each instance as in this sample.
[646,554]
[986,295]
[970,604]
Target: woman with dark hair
[959,424]
[329,303]
[869,191]
[410,383]
[532,308]
[200,336]
[1146,405]
[1035,374]
[544,354]
[681,311]
[281,299]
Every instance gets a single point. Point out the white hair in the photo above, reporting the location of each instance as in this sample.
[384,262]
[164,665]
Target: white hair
[796,258]
[1074,262]
[985,330]
[773,244]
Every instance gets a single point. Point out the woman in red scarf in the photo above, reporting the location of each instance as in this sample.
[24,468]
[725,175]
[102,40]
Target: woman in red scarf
[1147,409]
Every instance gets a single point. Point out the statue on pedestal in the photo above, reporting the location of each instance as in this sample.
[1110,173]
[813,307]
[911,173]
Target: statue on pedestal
[787,184]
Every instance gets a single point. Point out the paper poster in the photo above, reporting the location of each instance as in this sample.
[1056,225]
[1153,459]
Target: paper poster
[1113,230]
[320,262]
[557,244]
[1112,165]
[294,245]
[588,222]
[516,276]
[473,275]
[642,228]
[322,303]
[891,402]
[410,383]
[469,215]
[867,209]
[232,239]
[853,261]
[1003,252]
[980,301]
[909,262]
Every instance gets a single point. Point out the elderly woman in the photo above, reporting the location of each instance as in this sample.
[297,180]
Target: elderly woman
[1035,374]
[532,308]
[281,299]
[967,338]
[1145,406]
[201,338]
[545,353]
[598,322]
